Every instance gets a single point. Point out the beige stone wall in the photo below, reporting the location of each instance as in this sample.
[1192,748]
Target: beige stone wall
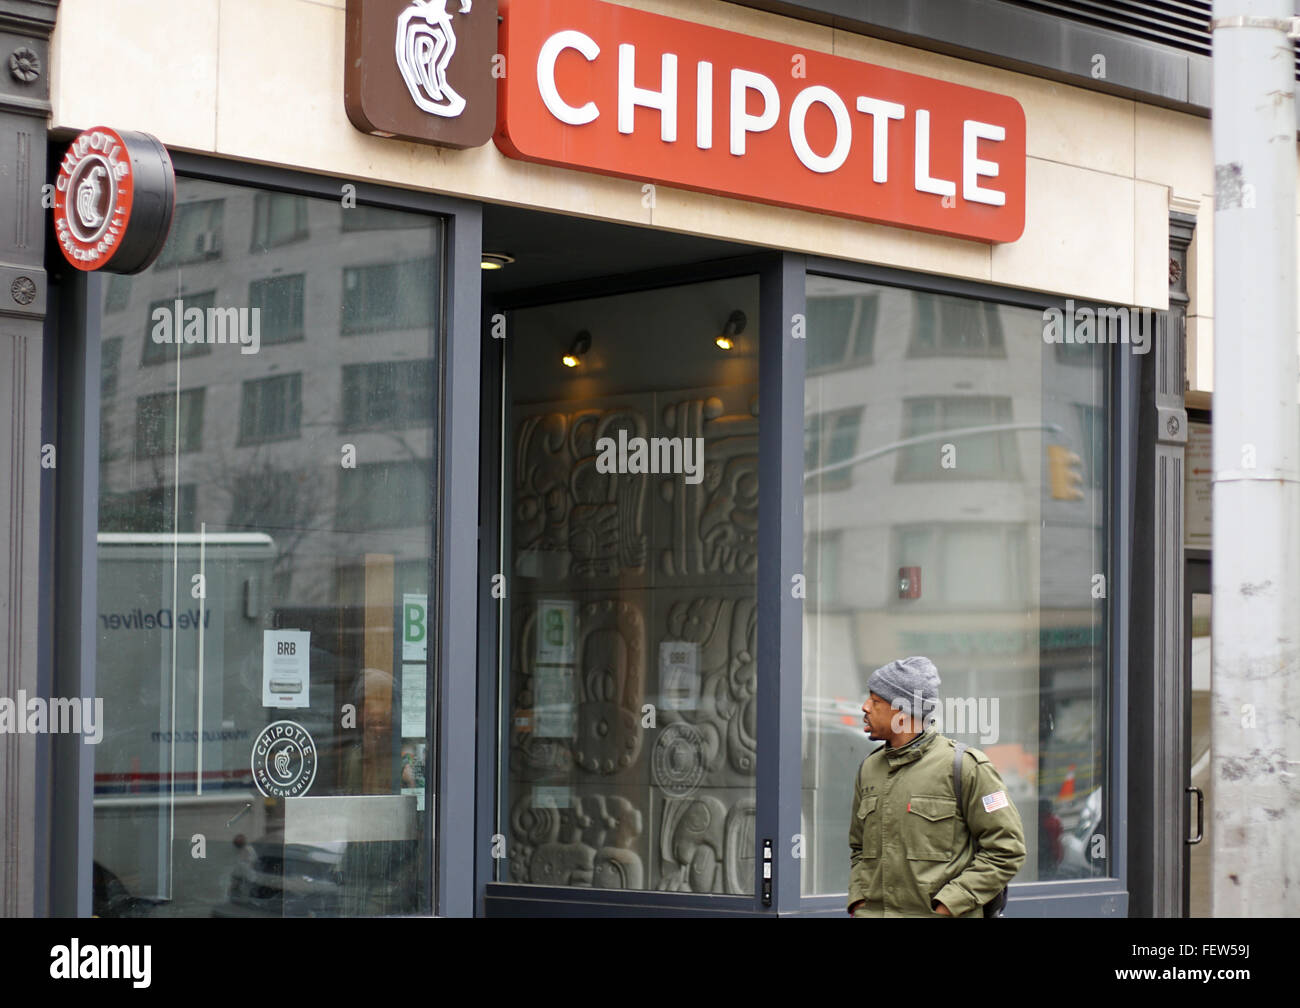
[262,80]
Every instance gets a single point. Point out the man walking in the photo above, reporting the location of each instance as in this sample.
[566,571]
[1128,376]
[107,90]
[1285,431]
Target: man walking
[915,852]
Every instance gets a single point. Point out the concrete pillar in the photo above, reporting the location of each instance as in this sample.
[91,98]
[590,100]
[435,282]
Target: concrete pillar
[25,27]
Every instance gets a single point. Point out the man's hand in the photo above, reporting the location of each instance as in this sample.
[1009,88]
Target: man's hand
[939,908]
[856,904]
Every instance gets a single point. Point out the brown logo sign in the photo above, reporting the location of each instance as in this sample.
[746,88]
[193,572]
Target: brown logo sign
[422,69]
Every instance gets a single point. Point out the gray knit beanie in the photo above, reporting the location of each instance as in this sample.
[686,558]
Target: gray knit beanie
[911,685]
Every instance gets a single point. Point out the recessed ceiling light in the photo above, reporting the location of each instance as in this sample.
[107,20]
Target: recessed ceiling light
[496,260]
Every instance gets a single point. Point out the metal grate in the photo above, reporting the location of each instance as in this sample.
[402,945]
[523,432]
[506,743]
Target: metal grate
[1179,24]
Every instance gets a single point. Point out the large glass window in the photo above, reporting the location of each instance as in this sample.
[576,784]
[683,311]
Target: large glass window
[195,235]
[945,529]
[160,415]
[280,301]
[271,409]
[278,218]
[629,732]
[382,296]
[265,553]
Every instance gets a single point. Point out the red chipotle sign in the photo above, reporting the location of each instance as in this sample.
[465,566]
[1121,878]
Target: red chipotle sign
[622,92]
[113,200]
[602,88]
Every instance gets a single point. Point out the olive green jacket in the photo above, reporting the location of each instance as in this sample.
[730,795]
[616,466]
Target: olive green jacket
[909,847]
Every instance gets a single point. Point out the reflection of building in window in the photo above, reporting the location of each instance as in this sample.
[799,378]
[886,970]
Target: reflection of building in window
[156,418]
[281,302]
[385,495]
[399,295]
[1078,353]
[829,438]
[278,218]
[271,501]
[195,234]
[1093,425]
[965,564]
[991,455]
[947,326]
[841,330]
[157,353]
[110,360]
[387,394]
[117,293]
[151,510]
[106,453]
[372,218]
[270,409]
[821,567]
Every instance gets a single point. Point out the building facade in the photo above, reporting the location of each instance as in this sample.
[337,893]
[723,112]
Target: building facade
[392,583]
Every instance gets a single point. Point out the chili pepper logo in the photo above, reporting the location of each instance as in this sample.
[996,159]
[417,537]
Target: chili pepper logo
[426,42]
[90,193]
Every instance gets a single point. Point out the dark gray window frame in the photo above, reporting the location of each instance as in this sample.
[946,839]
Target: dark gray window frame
[67,876]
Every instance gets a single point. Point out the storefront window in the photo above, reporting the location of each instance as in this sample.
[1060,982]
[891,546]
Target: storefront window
[630,494]
[267,494]
[964,520]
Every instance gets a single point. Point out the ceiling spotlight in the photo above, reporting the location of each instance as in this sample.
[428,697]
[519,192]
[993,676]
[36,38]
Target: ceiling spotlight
[581,344]
[736,322]
[495,260]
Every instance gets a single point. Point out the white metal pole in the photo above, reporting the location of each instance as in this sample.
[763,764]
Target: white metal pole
[1255,723]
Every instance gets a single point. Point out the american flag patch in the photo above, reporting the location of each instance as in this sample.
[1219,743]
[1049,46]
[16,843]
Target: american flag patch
[994,801]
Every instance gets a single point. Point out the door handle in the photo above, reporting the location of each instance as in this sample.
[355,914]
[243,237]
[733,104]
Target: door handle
[1200,815]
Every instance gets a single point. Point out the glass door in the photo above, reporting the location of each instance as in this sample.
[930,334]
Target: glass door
[629,547]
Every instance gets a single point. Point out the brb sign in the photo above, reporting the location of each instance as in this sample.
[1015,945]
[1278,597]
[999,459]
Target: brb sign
[597,87]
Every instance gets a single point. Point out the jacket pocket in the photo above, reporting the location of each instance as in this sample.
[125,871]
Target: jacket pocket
[930,828]
[869,819]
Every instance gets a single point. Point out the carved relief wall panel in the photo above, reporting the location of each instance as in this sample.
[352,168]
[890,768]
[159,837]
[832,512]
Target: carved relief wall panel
[632,699]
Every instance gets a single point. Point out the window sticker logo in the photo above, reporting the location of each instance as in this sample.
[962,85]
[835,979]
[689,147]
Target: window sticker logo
[284,760]
[426,42]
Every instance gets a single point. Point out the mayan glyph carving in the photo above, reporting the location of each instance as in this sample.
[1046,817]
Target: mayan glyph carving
[706,847]
[569,519]
[589,842]
[608,690]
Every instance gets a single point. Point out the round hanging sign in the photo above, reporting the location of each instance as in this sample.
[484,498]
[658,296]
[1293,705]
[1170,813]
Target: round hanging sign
[113,200]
